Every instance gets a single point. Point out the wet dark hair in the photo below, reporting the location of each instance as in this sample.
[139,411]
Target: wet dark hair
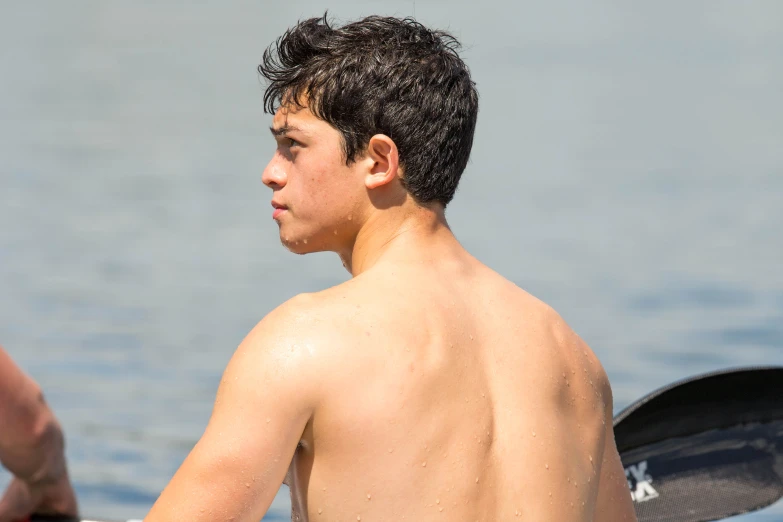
[382,75]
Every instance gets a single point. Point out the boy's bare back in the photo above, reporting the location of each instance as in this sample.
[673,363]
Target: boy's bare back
[456,396]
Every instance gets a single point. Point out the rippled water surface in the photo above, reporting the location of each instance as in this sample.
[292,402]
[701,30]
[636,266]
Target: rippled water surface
[627,169]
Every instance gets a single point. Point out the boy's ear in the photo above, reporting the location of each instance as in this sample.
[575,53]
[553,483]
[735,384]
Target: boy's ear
[382,151]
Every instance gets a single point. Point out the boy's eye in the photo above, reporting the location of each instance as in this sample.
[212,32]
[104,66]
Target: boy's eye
[291,142]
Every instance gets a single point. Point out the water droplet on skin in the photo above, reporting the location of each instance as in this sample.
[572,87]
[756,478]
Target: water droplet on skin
[534,433]
[440,509]
[305,241]
[320,511]
[350,218]
[437,501]
[471,337]
[359,517]
[335,232]
[391,450]
[268,420]
[476,480]
[424,464]
[591,458]
[247,484]
[547,466]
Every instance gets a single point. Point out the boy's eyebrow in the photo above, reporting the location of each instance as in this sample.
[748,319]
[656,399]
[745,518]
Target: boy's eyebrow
[281,131]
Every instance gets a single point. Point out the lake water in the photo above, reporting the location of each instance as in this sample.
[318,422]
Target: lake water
[627,169]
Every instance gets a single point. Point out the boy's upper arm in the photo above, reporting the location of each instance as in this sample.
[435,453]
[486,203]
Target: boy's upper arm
[614,499]
[265,399]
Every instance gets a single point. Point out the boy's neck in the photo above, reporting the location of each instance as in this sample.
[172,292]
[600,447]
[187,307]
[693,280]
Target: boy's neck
[395,232]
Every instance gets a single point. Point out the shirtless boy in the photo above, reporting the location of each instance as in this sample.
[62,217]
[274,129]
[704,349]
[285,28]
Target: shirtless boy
[427,387]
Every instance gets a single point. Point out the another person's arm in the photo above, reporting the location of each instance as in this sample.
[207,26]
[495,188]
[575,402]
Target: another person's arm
[31,448]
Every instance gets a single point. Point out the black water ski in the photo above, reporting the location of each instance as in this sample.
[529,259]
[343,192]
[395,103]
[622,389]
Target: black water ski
[706,448]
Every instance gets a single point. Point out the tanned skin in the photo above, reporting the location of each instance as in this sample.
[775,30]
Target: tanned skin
[32,448]
[425,388]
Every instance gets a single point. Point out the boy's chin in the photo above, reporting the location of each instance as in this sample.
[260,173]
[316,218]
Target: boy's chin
[299,246]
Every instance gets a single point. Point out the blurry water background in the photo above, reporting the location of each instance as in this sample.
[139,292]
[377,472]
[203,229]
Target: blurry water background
[627,169]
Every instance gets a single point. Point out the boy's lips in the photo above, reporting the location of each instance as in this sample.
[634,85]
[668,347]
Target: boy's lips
[279,209]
